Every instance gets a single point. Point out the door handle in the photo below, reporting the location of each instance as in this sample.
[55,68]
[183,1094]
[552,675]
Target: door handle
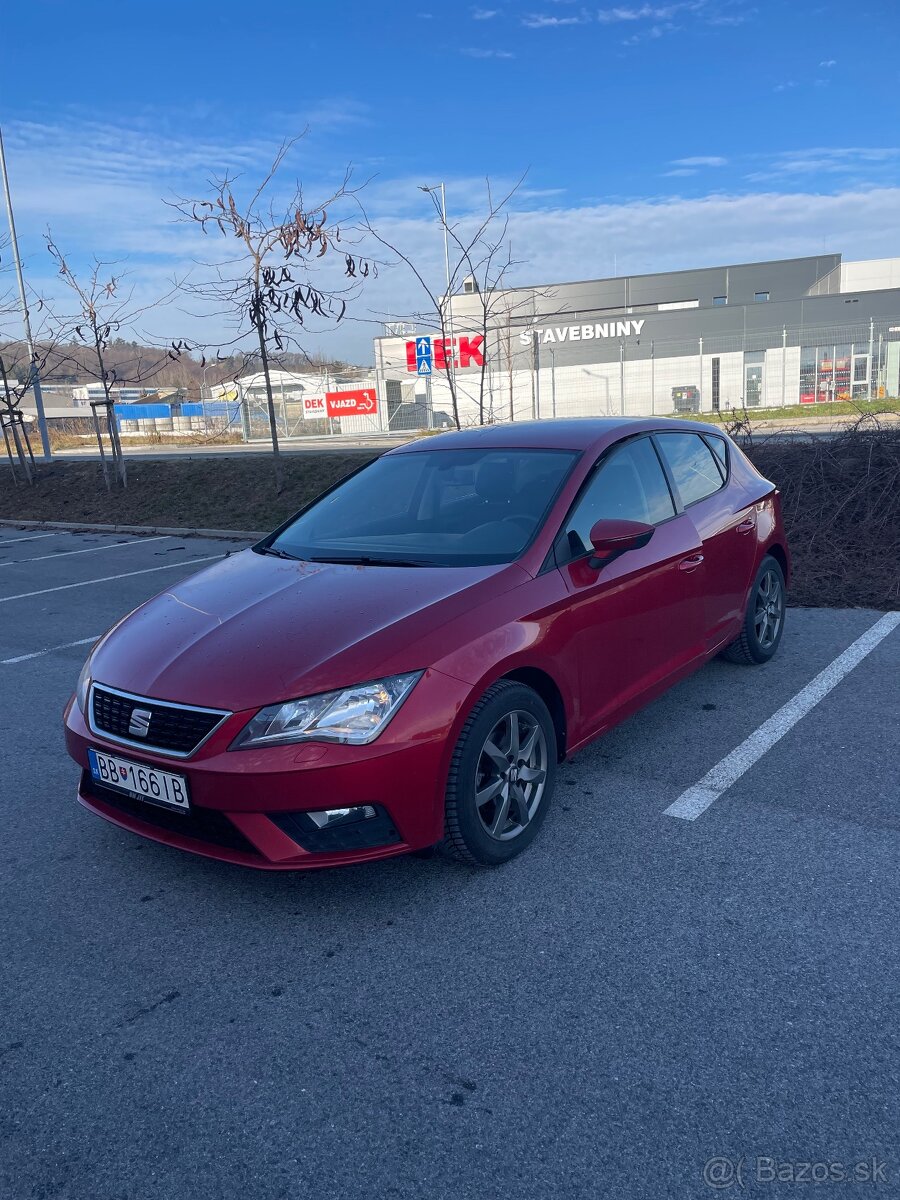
[690,564]
[746,526]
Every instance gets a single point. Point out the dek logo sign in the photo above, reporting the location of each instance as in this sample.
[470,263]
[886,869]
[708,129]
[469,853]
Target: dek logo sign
[427,354]
[314,408]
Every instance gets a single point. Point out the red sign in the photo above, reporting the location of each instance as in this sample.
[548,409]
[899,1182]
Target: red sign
[351,404]
[467,352]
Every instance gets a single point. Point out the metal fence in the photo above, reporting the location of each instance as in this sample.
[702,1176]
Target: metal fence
[761,369]
[758,368]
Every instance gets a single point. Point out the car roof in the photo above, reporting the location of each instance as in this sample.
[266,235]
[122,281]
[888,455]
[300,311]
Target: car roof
[561,433]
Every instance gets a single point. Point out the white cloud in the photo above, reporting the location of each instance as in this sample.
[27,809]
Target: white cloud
[700,160]
[484,14]
[100,188]
[829,62]
[544,21]
[643,12]
[482,52]
[850,161]
[578,242]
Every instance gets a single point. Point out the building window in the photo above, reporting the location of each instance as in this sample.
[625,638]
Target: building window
[719,301]
[716,376]
[753,377]
[808,356]
[672,305]
[761,297]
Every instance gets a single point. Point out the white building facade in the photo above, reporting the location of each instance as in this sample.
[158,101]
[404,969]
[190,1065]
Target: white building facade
[795,331]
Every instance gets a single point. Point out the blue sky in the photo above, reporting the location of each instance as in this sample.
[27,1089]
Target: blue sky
[655,135]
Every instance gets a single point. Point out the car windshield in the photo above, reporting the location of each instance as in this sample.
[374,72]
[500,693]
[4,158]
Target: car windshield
[442,508]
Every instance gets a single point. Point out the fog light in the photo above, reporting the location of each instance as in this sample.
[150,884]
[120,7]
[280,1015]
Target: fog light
[330,817]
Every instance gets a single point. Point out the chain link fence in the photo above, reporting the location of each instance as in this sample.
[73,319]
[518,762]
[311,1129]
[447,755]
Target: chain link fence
[761,369]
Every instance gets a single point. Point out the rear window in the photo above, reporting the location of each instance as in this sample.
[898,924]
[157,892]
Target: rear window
[693,465]
[720,450]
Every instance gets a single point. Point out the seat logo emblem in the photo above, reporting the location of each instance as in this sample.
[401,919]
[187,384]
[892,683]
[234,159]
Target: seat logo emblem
[139,725]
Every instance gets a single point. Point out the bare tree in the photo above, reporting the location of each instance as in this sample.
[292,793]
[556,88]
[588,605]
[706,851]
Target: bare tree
[104,306]
[480,253]
[267,289]
[19,367]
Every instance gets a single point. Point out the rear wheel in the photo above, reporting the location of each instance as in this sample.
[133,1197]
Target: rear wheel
[764,618]
[501,776]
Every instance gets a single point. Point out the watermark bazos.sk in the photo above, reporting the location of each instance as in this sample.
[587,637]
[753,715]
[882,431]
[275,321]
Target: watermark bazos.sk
[721,1173]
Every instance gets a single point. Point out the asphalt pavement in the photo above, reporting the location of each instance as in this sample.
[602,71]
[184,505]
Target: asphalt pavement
[635,1000]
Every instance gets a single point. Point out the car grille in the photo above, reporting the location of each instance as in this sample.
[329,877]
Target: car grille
[203,824]
[178,730]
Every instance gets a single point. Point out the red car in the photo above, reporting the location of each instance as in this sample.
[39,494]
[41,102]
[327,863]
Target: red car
[404,663]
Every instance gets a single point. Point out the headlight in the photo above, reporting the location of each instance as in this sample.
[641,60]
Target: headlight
[83,686]
[356,715]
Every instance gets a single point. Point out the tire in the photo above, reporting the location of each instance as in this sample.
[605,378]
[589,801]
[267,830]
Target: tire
[764,618]
[486,833]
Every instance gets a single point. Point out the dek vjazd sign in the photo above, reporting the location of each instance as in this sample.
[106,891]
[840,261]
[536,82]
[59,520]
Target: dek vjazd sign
[362,403]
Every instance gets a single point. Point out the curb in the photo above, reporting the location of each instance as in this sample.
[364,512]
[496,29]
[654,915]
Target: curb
[177,531]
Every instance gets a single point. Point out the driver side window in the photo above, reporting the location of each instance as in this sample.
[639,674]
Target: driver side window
[628,485]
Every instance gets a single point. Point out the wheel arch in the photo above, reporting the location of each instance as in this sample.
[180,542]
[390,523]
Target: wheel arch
[548,689]
[779,553]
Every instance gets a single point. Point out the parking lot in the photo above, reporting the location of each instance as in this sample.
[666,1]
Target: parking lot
[637,996]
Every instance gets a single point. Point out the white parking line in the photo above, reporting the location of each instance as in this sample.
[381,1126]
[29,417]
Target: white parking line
[13,562]
[64,587]
[36,537]
[697,799]
[5,662]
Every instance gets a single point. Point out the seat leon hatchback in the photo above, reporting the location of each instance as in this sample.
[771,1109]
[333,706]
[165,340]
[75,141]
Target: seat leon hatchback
[405,662]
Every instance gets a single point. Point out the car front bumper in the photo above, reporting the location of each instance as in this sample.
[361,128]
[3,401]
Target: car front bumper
[247,806]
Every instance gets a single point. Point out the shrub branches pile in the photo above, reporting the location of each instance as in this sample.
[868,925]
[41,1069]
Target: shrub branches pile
[841,501]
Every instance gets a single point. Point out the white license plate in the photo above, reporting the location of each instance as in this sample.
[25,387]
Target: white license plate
[139,781]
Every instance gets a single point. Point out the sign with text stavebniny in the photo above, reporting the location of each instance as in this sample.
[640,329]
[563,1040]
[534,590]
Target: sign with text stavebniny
[362,403]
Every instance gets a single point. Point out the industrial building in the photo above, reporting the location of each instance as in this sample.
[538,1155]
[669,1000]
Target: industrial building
[791,331]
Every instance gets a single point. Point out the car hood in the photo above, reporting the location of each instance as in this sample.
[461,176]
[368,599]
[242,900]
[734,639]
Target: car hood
[256,629]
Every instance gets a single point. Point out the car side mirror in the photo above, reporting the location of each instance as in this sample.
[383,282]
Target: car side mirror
[611,538]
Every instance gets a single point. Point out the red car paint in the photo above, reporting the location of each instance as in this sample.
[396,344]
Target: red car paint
[252,631]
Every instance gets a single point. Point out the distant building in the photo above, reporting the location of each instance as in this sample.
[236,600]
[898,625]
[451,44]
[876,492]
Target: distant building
[791,331]
[84,393]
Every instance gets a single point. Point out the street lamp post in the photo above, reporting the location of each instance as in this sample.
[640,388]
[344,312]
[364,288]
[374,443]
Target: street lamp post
[26,320]
[451,368]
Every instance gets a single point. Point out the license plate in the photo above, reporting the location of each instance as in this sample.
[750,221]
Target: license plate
[138,781]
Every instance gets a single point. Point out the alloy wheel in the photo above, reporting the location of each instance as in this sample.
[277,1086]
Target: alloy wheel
[511,775]
[769,610]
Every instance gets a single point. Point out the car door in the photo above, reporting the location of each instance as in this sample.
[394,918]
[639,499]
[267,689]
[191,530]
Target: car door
[638,619]
[725,519]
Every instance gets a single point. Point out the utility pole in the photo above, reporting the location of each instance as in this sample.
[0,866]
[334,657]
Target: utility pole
[451,358]
[34,375]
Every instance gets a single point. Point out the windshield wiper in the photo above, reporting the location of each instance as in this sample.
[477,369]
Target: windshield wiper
[276,552]
[367,560]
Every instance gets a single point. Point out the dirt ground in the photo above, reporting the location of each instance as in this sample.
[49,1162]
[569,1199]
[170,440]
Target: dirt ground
[841,501]
[227,492]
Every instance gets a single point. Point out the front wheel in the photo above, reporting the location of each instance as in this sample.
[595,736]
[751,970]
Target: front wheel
[501,776]
[764,618]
